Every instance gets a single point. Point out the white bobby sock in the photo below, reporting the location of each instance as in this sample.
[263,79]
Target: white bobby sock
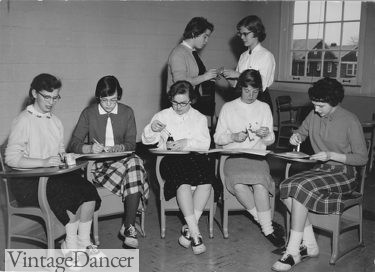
[84,230]
[254,213]
[192,224]
[265,221]
[295,240]
[197,214]
[309,237]
[71,235]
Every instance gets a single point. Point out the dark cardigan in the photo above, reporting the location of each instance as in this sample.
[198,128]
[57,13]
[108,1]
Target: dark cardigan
[92,125]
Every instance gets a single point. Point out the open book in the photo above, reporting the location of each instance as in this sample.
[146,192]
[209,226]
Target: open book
[293,155]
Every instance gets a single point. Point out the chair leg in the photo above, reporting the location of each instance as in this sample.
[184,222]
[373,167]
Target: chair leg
[162,219]
[335,241]
[8,231]
[95,227]
[143,223]
[225,220]
[287,225]
[211,214]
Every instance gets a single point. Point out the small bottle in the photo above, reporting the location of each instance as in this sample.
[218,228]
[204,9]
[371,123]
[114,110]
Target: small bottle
[169,140]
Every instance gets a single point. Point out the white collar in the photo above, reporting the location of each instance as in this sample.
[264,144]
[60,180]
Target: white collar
[187,45]
[102,111]
[31,109]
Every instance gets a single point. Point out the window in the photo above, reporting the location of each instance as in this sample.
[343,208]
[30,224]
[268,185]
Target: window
[322,39]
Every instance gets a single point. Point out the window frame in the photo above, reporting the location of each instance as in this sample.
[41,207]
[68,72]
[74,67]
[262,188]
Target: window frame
[285,59]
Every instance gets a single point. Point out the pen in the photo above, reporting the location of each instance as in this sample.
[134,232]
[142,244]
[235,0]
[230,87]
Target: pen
[298,147]
[96,141]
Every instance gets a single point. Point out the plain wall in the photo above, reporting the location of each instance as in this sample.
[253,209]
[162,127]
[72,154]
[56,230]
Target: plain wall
[81,41]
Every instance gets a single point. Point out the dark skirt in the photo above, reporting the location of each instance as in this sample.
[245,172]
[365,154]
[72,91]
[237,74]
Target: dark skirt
[192,169]
[64,193]
[321,189]
[266,98]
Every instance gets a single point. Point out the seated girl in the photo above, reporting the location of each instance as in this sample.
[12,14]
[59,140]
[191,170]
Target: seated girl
[36,140]
[247,123]
[109,125]
[337,139]
[189,130]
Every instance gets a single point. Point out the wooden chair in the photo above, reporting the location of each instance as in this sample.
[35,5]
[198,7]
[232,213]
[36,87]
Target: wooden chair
[172,205]
[111,205]
[230,202]
[42,214]
[339,224]
[287,120]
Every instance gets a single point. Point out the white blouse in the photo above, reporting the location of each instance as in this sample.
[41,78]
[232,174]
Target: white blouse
[191,125]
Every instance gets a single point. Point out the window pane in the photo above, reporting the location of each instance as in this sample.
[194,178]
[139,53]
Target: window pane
[332,35]
[299,37]
[348,64]
[352,10]
[314,58]
[298,63]
[334,11]
[300,12]
[316,31]
[329,65]
[316,11]
[350,34]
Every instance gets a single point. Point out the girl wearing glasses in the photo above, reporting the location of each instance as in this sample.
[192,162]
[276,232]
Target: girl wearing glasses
[247,123]
[36,140]
[188,127]
[110,126]
[252,32]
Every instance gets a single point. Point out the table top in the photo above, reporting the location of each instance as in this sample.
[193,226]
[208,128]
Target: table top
[41,171]
[104,155]
[291,159]
[223,151]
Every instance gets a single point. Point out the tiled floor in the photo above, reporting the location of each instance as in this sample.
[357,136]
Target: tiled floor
[245,249]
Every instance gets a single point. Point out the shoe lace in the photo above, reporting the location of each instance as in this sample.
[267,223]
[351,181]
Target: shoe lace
[131,231]
[92,249]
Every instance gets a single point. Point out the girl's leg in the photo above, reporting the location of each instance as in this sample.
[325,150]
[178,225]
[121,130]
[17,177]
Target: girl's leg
[262,203]
[200,198]
[186,204]
[71,229]
[127,230]
[85,214]
[131,204]
[245,196]
[292,255]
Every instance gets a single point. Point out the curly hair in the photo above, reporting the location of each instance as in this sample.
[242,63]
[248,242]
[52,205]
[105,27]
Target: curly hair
[327,90]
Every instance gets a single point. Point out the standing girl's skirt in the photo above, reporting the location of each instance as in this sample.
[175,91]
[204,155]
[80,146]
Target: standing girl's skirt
[192,169]
[65,192]
[321,188]
[241,170]
[123,177]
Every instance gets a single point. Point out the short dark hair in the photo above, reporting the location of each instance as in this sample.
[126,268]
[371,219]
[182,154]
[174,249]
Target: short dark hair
[44,82]
[108,86]
[254,24]
[196,27]
[182,87]
[327,90]
[249,77]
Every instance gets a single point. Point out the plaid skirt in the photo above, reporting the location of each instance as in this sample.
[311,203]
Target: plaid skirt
[124,177]
[321,189]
